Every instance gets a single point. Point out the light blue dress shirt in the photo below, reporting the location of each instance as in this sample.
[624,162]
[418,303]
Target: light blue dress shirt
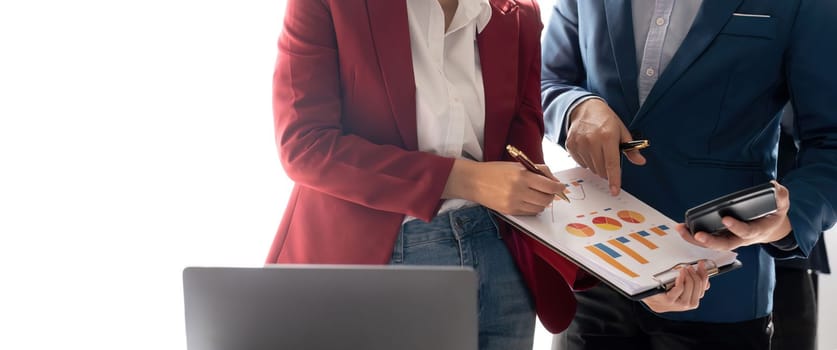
[659,29]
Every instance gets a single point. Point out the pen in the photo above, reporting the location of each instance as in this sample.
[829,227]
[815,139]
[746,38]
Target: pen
[523,159]
[633,145]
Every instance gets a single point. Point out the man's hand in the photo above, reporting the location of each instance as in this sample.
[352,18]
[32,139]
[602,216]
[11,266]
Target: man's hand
[768,229]
[506,187]
[593,141]
[689,288]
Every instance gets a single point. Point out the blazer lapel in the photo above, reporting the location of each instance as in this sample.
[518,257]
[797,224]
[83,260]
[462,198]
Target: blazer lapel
[499,66]
[621,29]
[391,39]
[712,17]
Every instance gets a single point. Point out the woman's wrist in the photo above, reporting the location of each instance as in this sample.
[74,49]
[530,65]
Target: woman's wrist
[461,182]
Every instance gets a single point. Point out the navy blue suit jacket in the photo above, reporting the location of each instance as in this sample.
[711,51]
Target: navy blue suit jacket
[713,116]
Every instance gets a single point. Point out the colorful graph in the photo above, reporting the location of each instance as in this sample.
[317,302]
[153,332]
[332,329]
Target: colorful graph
[580,230]
[609,256]
[640,237]
[578,184]
[630,216]
[592,213]
[660,230]
[606,223]
[619,243]
[626,247]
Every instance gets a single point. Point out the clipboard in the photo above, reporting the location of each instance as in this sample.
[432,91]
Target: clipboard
[665,282]
[622,241]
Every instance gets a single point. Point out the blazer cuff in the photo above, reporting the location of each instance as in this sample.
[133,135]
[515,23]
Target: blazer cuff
[784,248]
[556,112]
[787,243]
[572,107]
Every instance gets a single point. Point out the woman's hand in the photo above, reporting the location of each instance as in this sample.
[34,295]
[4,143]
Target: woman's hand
[506,187]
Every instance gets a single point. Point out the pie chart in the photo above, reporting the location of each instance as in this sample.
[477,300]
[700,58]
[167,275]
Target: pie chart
[631,216]
[580,230]
[606,223]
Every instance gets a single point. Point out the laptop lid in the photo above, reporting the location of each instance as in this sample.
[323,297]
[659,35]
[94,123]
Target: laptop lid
[316,307]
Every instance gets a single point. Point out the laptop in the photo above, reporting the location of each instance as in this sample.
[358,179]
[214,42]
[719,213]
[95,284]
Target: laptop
[314,307]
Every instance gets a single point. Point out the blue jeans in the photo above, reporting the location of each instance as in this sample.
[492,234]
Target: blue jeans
[469,237]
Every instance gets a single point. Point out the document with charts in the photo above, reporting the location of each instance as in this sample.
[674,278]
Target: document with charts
[626,243]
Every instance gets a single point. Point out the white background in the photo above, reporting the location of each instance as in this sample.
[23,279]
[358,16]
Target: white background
[136,138]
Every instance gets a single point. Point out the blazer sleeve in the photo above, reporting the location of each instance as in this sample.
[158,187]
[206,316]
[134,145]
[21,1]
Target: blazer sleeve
[563,72]
[812,81]
[314,149]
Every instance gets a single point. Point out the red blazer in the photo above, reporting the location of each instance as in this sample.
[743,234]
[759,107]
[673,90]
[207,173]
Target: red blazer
[345,118]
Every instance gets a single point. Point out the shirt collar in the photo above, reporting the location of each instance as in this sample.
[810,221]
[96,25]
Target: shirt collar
[472,10]
[484,15]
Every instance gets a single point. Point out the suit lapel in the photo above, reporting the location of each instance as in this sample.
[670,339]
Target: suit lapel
[620,27]
[499,65]
[712,17]
[391,37]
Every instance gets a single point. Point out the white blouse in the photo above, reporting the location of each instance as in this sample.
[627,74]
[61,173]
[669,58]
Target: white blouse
[450,101]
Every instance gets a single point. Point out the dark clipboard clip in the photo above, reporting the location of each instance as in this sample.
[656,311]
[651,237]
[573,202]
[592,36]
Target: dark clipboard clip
[667,282]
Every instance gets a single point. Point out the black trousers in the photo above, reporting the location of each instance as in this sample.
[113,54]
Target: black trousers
[607,320]
[795,309]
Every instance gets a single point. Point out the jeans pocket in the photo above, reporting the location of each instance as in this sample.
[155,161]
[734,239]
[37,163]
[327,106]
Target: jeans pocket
[397,257]
[493,221]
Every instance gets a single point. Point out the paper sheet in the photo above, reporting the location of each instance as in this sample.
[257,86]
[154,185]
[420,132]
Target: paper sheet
[621,238]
